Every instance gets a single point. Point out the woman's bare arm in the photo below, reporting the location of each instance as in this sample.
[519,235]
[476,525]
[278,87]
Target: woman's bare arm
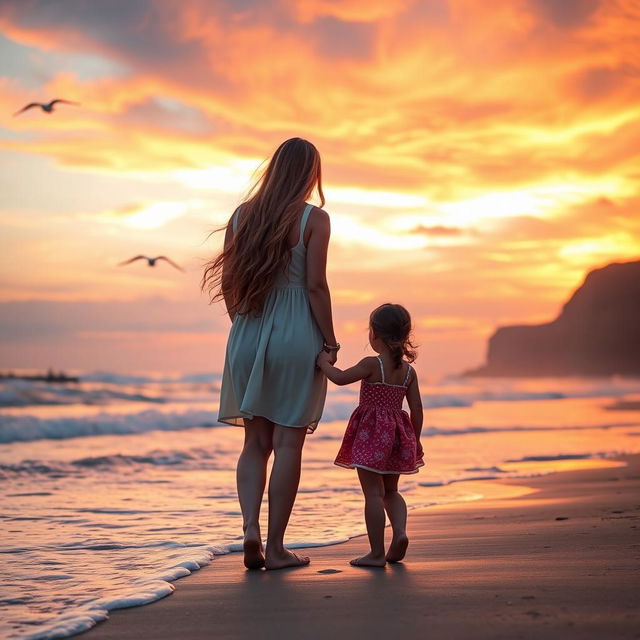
[319,296]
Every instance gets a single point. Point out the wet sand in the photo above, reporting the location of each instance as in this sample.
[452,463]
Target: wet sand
[550,557]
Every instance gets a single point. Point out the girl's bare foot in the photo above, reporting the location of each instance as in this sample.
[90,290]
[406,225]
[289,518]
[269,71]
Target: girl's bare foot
[253,556]
[284,559]
[369,561]
[397,549]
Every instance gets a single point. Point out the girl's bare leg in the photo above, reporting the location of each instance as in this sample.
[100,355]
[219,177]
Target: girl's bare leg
[396,509]
[373,489]
[283,487]
[251,476]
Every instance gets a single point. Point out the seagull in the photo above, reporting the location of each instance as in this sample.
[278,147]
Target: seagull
[151,261]
[47,108]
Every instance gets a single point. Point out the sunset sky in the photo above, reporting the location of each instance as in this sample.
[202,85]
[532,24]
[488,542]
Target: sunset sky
[479,158]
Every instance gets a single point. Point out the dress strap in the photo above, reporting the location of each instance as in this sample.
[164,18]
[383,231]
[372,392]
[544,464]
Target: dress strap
[406,378]
[381,368]
[303,222]
[234,220]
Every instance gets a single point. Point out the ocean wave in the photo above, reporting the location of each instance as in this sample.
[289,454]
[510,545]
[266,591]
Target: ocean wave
[117,378]
[497,473]
[116,462]
[467,398]
[26,393]
[139,592]
[24,428]
[444,482]
[561,456]
[470,430]
[339,407]
[106,388]
[194,458]
[157,458]
[485,469]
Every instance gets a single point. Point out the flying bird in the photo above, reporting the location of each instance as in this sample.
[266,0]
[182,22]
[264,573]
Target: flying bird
[46,107]
[151,261]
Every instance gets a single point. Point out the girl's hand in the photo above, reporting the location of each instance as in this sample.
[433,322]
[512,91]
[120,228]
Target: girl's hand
[324,358]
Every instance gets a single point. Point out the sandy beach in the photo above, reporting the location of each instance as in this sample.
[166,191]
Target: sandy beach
[551,557]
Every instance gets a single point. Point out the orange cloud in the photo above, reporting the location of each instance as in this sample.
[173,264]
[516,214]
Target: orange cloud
[420,102]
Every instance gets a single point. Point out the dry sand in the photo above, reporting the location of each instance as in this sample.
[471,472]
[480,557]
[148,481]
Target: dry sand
[505,567]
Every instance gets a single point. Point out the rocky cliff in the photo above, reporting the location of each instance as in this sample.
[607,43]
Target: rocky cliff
[596,334]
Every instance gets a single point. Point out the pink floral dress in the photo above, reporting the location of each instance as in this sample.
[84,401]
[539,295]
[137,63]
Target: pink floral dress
[380,436]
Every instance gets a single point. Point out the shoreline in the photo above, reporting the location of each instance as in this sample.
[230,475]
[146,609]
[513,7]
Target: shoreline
[467,562]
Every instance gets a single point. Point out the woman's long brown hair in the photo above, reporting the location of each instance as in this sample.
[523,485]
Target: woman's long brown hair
[259,252]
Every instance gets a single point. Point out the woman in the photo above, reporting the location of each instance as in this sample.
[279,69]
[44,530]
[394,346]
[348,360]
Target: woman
[272,277]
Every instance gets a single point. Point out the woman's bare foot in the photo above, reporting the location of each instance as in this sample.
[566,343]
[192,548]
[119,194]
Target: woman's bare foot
[253,555]
[285,559]
[369,561]
[397,549]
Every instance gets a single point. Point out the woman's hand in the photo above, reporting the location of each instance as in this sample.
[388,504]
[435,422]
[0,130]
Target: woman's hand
[327,356]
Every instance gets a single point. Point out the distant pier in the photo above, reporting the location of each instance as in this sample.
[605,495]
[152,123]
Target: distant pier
[50,376]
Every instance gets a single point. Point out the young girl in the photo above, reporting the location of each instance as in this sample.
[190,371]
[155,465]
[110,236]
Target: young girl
[381,440]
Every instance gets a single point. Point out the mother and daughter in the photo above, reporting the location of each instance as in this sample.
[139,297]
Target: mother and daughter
[281,349]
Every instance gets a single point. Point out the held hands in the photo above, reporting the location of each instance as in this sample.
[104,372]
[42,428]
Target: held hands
[326,358]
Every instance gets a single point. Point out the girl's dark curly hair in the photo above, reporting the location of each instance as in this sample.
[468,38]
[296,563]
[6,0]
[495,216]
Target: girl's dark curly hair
[392,324]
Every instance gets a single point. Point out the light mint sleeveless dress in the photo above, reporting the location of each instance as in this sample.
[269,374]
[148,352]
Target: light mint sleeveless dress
[270,363]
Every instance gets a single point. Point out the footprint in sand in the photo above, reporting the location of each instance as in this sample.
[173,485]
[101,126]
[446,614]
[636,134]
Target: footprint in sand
[533,614]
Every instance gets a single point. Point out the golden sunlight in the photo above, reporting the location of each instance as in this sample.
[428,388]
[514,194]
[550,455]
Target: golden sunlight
[156,215]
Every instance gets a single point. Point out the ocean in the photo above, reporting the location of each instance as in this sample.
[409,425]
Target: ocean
[116,486]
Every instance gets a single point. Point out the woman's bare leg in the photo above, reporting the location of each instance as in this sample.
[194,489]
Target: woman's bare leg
[396,509]
[251,476]
[373,489]
[283,487]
